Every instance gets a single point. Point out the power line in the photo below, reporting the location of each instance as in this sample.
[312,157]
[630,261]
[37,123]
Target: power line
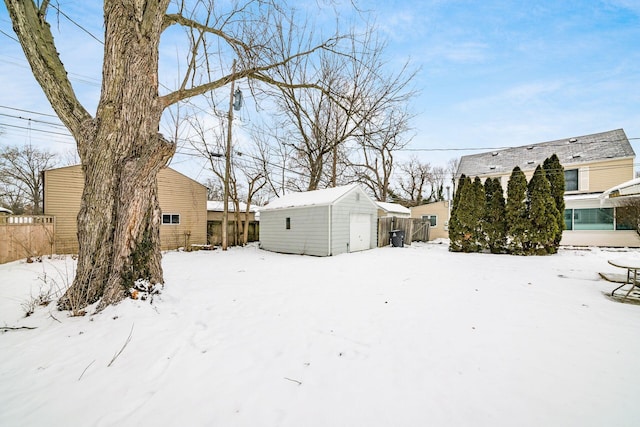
[28,111]
[76,24]
[34,120]
[10,36]
[36,130]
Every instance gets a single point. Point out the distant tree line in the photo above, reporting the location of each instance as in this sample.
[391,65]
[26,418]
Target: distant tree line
[529,221]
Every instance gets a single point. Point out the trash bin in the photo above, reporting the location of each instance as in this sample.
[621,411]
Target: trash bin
[396,237]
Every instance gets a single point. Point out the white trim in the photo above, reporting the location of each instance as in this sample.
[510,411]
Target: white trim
[329,240]
[171,215]
[583,178]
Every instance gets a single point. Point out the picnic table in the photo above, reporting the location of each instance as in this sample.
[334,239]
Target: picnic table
[632,265]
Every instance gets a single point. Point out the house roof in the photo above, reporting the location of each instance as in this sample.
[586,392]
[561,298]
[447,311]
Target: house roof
[217,206]
[5,210]
[574,150]
[393,208]
[310,198]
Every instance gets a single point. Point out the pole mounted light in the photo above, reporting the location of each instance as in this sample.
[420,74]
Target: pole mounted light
[237,99]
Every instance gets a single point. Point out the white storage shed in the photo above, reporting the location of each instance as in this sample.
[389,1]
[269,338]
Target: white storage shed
[321,222]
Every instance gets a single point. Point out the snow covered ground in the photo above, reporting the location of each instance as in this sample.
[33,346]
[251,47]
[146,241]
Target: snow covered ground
[413,336]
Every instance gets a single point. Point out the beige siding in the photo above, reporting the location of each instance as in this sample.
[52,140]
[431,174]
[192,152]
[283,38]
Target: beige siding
[604,175]
[618,238]
[441,211]
[62,194]
[181,195]
[177,194]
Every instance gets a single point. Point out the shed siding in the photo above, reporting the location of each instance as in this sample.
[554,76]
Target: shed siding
[308,234]
[177,194]
[355,202]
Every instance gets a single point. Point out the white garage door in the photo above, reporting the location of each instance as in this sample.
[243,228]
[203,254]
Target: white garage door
[360,232]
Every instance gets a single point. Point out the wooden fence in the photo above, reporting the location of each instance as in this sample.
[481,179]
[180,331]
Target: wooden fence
[415,229]
[214,232]
[23,236]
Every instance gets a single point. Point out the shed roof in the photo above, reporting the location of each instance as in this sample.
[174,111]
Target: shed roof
[310,198]
[217,206]
[574,150]
[393,208]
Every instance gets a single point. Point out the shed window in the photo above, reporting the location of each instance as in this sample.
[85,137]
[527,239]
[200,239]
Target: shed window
[431,219]
[288,224]
[171,219]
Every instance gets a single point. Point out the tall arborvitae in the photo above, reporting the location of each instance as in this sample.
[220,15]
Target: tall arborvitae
[543,215]
[518,223]
[469,215]
[455,235]
[495,226]
[555,174]
[479,238]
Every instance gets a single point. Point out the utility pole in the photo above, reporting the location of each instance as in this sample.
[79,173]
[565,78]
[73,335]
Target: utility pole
[227,167]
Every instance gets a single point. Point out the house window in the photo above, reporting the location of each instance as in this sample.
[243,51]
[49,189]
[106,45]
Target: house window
[173,219]
[571,180]
[431,219]
[589,219]
[288,224]
[568,219]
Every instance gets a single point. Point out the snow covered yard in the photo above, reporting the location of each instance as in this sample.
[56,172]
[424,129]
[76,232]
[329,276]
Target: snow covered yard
[412,336]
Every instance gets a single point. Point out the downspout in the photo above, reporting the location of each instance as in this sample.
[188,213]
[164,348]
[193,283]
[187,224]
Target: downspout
[330,231]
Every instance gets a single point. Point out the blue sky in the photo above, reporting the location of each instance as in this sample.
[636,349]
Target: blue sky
[492,73]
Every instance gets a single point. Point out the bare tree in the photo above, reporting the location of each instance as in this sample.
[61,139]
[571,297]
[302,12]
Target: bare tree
[438,184]
[210,143]
[21,179]
[451,171]
[376,144]
[120,148]
[318,125]
[413,182]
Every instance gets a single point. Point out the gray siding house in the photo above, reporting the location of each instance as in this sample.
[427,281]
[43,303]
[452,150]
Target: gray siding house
[321,222]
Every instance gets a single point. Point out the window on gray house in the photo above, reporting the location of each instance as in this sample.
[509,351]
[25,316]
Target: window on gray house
[288,224]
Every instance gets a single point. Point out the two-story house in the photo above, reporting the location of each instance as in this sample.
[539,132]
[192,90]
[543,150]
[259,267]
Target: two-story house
[593,164]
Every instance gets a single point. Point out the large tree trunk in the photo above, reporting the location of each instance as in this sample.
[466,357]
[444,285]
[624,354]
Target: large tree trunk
[122,153]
